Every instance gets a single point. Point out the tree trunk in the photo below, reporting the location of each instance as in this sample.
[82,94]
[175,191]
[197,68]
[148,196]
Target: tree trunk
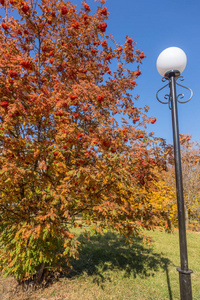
[40,273]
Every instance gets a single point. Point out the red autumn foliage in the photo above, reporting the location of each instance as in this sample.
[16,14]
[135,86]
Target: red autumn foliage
[70,144]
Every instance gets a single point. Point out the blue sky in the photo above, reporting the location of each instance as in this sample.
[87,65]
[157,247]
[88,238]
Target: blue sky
[156,25]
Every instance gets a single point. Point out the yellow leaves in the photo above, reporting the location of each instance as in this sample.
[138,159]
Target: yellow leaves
[105,180]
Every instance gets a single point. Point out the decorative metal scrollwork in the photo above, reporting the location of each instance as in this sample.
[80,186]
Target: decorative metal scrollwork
[185,87]
[178,97]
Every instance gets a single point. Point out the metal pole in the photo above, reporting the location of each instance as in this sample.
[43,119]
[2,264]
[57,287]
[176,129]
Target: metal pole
[184,272]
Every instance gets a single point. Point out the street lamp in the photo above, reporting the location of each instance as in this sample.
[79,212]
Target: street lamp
[170,64]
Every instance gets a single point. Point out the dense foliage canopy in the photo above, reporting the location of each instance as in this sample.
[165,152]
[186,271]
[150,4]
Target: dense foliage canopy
[72,137]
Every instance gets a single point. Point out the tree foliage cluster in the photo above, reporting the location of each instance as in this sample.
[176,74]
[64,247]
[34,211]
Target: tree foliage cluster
[190,158]
[73,140]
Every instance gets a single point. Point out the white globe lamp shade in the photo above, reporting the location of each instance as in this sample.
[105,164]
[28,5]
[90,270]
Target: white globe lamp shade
[171,59]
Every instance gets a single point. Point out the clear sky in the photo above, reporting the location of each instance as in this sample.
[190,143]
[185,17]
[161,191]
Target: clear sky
[156,25]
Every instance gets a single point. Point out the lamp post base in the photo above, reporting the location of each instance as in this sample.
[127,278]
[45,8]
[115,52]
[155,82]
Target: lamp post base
[185,284]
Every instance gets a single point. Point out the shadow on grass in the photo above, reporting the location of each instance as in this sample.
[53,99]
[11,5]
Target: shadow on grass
[110,252]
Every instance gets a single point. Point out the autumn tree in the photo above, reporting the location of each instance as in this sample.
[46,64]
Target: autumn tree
[191,175]
[190,158]
[63,151]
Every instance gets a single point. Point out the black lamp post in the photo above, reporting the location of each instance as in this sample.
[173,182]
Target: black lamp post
[170,64]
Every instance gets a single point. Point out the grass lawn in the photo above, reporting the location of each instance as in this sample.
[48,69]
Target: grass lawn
[109,268]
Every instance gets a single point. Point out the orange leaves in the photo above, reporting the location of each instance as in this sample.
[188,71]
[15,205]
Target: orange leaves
[154,120]
[108,57]
[79,135]
[96,43]
[85,108]
[69,154]
[76,115]
[136,120]
[140,136]
[133,82]
[59,113]
[125,129]
[137,73]
[141,56]
[129,41]
[76,25]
